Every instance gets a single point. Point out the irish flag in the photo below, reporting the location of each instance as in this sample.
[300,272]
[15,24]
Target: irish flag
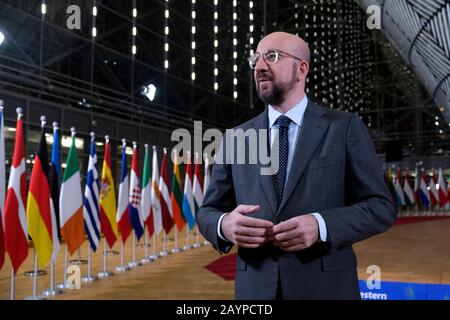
[71,202]
[146,204]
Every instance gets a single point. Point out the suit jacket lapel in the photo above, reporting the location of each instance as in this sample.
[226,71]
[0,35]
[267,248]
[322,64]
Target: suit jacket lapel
[311,133]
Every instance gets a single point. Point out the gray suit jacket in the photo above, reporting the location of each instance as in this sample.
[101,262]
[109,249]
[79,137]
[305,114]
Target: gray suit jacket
[336,172]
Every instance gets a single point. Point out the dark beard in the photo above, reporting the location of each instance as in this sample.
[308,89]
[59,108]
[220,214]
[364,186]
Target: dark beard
[278,93]
[274,97]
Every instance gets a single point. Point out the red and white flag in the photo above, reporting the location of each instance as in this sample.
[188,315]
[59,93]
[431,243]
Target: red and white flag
[15,220]
[166,202]
[434,195]
[442,191]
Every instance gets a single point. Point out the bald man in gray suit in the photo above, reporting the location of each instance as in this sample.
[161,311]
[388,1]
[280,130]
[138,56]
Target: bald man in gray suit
[294,229]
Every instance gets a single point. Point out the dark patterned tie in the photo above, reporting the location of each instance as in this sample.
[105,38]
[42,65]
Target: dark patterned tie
[282,157]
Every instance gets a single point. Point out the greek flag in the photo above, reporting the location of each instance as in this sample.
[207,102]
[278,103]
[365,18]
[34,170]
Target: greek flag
[91,199]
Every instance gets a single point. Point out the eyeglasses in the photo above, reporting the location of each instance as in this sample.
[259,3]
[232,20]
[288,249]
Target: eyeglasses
[271,56]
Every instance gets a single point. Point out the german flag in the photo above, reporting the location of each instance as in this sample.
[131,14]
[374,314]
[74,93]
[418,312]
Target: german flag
[38,206]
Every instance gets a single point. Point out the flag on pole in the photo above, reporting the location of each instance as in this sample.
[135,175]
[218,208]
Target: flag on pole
[409,193]
[2,186]
[417,185]
[434,195]
[147,192]
[400,197]
[71,201]
[207,174]
[391,187]
[447,207]
[176,195]
[123,213]
[108,208]
[443,195]
[423,191]
[197,185]
[135,195]
[55,170]
[91,199]
[188,201]
[15,219]
[39,215]
[166,204]
[155,214]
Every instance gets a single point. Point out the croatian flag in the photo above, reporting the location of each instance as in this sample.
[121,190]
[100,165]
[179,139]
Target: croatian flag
[135,196]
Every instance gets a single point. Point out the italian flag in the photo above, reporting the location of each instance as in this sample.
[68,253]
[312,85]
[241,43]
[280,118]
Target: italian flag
[71,202]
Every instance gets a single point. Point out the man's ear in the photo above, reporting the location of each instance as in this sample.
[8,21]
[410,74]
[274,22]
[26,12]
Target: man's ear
[302,70]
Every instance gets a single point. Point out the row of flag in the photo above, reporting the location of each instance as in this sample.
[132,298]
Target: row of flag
[50,211]
[431,192]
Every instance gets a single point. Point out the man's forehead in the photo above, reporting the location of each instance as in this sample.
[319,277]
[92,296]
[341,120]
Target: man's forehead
[268,43]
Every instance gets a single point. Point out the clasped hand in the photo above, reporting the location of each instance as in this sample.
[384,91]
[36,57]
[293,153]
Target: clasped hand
[294,234]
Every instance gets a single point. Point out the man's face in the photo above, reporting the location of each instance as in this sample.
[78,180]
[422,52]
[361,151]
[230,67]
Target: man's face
[274,80]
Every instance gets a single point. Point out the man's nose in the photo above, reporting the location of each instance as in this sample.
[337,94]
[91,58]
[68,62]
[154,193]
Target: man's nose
[261,65]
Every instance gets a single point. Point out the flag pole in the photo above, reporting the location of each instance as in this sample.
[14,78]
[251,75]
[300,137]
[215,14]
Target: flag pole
[63,285]
[206,183]
[52,291]
[35,296]
[134,264]
[89,278]
[154,256]
[186,245]
[164,252]
[105,273]
[12,284]
[147,258]
[176,249]
[122,267]
[197,242]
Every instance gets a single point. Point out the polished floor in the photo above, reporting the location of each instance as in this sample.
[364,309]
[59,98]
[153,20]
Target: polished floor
[415,252]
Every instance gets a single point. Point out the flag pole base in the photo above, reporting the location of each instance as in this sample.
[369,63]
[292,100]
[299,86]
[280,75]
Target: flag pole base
[205,243]
[196,245]
[175,250]
[89,279]
[30,274]
[146,260]
[112,253]
[154,257]
[104,274]
[78,262]
[163,253]
[62,286]
[134,264]
[186,247]
[52,292]
[34,298]
[120,269]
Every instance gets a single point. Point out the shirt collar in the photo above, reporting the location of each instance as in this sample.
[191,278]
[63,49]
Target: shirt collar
[295,114]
